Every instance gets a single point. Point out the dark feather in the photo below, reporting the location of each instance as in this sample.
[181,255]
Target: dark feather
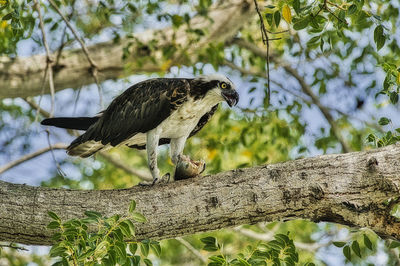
[79,123]
[139,109]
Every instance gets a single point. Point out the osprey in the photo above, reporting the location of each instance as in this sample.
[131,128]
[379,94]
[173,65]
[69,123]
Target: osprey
[150,113]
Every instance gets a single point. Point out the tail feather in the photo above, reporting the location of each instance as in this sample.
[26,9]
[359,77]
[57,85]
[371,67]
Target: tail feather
[79,123]
[84,149]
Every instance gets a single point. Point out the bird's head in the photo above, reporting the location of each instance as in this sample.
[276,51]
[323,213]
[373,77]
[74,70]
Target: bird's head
[218,86]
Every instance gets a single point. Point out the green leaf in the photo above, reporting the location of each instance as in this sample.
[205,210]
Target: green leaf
[314,40]
[57,251]
[120,248]
[54,225]
[352,9]
[144,249]
[133,248]
[339,244]
[367,242]
[347,252]
[356,248]
[217,258]
[296,6]
[379,37]
[53,216]
[131,226]
[92,214]
[394,244]
[125,229]
[277,18]
[301,24]
[371,138]
[147,262]
[7,17]
[132,206]
[269,17]
[156,248]
[394,97]
[138,217]
[384,121]
[209,240]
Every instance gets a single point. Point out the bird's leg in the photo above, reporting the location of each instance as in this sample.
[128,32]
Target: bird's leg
[185,167]
[152,138]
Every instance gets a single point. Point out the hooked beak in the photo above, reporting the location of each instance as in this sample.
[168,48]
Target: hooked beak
[231,97]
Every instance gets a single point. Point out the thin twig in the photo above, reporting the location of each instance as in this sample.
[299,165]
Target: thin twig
[93,66]
[60,171]
[264,36]
[50,61]
[63,44]
[57,146]
[12,246]
[143,175]
[191,249]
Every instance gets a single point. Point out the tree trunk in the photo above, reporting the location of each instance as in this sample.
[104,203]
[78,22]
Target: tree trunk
[23,77]
[350,189]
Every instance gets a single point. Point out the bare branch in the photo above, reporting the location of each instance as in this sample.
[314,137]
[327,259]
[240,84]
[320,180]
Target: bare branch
[191,249]
[11,245]
[350,189]
[93,66]
[57,146]
[50,61]
[265,40]
[144,175]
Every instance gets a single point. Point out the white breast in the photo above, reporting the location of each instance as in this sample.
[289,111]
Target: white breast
[183,120]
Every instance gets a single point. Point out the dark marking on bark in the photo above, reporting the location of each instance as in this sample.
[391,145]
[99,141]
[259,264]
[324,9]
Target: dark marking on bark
[355,207]
[255,198]
[317,192]
[213,202]
[274,174]
[289,196]
[371,164]
[303,175]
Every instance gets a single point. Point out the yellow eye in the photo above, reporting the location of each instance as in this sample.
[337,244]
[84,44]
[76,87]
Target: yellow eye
[223,85]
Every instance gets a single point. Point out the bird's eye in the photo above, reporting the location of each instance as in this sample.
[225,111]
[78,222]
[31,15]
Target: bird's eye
[223,85]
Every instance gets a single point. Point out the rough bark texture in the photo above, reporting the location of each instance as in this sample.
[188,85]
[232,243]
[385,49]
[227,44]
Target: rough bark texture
[349,189]
[22,77]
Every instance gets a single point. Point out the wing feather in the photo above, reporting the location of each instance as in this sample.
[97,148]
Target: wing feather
[139,109]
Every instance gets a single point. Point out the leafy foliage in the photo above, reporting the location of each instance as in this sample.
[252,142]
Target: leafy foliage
[279,251]
[345,51]
[96,239]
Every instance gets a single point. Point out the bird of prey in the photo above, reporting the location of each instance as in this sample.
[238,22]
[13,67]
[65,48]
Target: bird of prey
[150,113]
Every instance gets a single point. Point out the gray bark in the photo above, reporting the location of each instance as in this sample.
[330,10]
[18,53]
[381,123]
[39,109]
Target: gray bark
[349,189]
[23,77]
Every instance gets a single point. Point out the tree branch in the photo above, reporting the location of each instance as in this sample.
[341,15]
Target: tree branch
[50,60]
[19,77]
[93,66]
[350,189]
[27,157]
[192,249]
[143,175]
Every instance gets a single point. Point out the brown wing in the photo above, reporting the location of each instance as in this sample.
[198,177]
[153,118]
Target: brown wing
[139,109]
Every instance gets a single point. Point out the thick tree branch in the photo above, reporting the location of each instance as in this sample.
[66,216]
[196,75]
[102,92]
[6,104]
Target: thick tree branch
[350,189]
[20,77]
